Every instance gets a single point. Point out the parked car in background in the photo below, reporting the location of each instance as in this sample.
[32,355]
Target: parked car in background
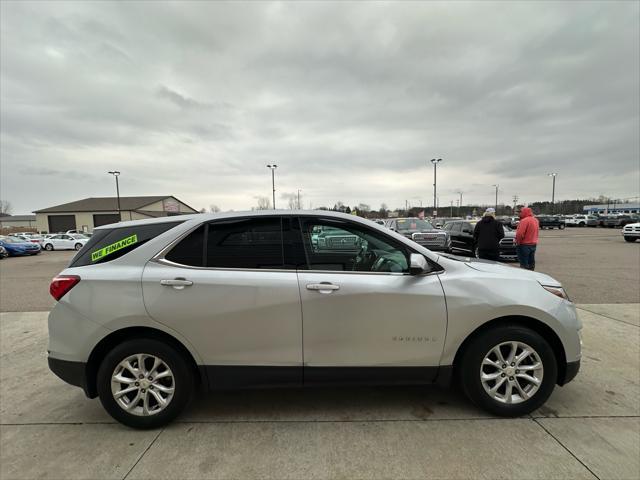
[29,238]
[551,222]
[422,232]
[64,242]
[152,308]
[3,252]
[461,232]
[582,221]
[513,222]
[631,232]
[16,246]
[619,221]
[440,222]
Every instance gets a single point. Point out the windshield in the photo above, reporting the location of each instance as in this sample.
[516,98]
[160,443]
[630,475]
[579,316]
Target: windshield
[405,224]
[11,240]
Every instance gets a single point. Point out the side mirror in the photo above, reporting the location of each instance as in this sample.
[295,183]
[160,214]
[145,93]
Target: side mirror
[418,264]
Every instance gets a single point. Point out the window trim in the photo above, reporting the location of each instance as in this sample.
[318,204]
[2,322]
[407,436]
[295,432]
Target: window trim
[160,256]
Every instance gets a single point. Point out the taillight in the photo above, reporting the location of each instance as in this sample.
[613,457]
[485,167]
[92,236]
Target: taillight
[61,284]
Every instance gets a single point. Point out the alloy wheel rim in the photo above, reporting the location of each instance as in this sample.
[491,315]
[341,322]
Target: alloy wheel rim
[142,384]
[511,372]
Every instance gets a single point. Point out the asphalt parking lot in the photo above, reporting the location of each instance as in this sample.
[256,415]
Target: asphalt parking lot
[588,429]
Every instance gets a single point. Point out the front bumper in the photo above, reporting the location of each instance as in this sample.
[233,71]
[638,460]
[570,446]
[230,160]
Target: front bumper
[74,373]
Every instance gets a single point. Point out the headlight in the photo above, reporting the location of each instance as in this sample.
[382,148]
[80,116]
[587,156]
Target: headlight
[557,291]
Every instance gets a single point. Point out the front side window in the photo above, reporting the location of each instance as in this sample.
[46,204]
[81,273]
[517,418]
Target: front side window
[337,245]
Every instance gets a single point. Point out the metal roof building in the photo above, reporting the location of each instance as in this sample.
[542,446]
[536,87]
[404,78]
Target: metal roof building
[88,213]
[613,208]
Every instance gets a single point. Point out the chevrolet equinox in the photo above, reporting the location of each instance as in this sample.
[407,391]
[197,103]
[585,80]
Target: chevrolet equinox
[149,310]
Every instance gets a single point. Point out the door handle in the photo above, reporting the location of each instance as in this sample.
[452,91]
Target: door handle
[177,283]
[324,287]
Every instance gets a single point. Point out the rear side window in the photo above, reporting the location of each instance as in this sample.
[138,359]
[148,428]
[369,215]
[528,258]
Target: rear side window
[245,243]
[252,243]
[108,244]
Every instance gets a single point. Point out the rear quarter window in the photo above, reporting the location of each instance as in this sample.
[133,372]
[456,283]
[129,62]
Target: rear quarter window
[108,244]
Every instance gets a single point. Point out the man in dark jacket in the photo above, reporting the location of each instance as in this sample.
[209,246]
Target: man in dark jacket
[487,236]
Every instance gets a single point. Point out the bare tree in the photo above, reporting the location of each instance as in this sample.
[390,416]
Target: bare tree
[203,210]
[263,203]
[294,201]
[363,207]
[5,207]
[214,208]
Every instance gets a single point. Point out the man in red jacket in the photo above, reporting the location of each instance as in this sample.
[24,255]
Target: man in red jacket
[527,239]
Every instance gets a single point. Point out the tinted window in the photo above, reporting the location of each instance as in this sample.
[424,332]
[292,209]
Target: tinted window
[190,250]
[108,244]
[245,243]
[455,228]
[344,246]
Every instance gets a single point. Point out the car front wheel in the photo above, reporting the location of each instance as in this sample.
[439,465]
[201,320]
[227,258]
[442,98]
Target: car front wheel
[144,383]
[78,246]
[630,239]
[508,371]
[48,247]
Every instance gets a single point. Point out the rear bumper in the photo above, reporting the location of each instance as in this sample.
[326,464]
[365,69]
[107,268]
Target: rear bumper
[74,373]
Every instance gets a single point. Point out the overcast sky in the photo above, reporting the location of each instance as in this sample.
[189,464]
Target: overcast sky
[351,100]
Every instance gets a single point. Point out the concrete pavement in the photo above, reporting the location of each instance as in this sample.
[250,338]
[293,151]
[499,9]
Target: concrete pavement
[588,429]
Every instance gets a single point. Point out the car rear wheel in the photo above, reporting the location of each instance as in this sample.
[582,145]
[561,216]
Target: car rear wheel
[144,383]
[561,227]
[508,371]
[78,246]
[48,247]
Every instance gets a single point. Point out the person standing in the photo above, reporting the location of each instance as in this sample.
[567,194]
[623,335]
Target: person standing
[487,235]
[527,239]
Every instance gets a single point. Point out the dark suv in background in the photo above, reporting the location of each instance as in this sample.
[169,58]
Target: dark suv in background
[549,221]
[461,232]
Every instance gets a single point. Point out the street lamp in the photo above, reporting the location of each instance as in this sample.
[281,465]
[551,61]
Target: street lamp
[273,182]
[497,186]
[435,162]
[299,208]
[116,174]
[459,202]
[553,191]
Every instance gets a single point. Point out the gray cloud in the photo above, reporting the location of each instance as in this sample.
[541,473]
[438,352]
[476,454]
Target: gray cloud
[350,99]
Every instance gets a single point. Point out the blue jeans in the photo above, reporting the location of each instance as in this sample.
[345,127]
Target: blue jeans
[527,256]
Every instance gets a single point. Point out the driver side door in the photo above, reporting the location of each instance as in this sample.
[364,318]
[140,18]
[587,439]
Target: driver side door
[366,319]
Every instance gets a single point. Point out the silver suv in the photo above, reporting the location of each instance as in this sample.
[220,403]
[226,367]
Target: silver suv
[150,309]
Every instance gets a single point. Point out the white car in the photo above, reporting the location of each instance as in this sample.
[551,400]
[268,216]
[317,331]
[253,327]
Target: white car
[64,241]
[631,232]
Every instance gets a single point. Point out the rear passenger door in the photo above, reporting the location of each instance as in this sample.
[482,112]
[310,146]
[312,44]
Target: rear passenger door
[226,288]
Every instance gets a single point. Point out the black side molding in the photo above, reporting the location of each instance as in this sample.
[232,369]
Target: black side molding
[74,373]
[571,371]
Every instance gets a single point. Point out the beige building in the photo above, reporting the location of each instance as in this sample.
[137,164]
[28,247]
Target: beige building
[18,221]
[86,214]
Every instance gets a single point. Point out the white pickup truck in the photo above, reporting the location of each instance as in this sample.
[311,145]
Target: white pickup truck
[631,232]
[581,221]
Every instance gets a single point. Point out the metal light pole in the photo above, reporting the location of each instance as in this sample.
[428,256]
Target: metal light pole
[497,186]
[299,208]
[435,162]
[273,182]
[553,192]
[460,204]
[116,174]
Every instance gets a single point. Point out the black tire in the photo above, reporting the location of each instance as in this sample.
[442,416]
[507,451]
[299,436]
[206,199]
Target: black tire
[561,227]
[581,224]
[630,239]
[48,247]
[473,356]
[78,246]
[182,375]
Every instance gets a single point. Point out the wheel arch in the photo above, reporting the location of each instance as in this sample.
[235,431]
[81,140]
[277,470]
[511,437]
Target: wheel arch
[115,338]
[544,330]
